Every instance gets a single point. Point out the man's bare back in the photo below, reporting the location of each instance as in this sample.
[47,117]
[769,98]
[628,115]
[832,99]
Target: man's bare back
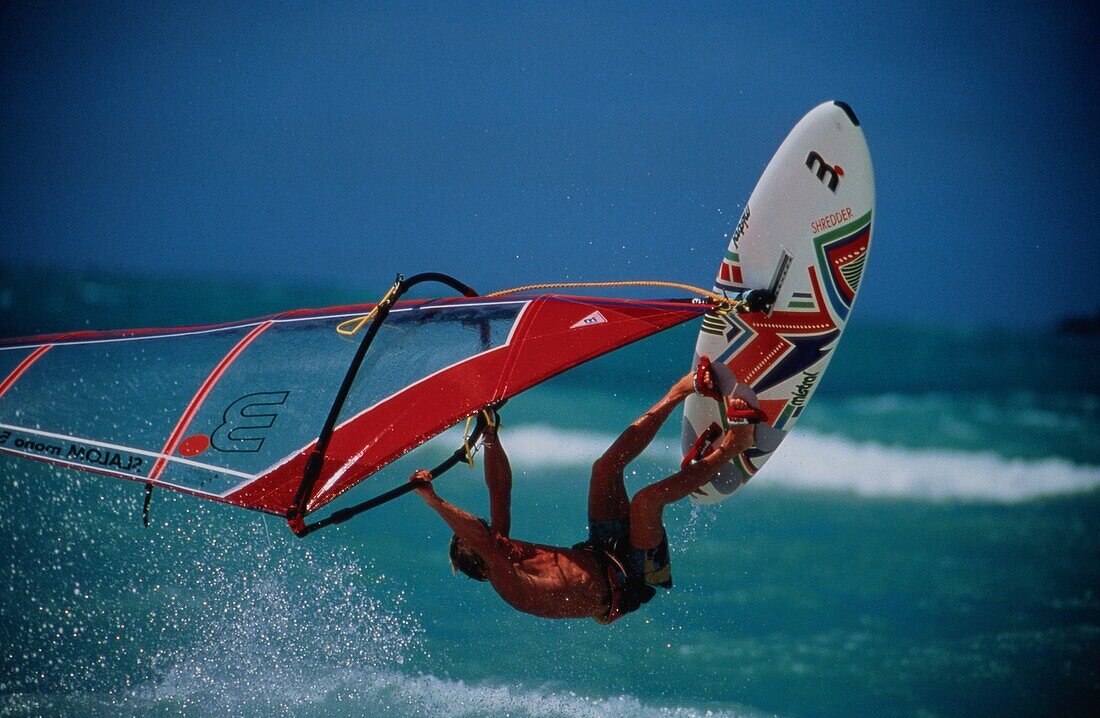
[547,581]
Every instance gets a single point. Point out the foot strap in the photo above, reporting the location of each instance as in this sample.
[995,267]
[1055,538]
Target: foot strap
[701,445]
[701,388]
[744,415]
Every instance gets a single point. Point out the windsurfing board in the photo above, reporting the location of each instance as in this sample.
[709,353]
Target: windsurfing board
[805,234]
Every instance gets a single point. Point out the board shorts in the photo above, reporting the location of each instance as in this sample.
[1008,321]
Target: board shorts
[631,572]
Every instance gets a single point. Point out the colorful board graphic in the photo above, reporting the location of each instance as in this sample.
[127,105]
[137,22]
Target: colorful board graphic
[805,232]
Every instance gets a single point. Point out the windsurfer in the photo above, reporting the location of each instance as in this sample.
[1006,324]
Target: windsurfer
[614,571]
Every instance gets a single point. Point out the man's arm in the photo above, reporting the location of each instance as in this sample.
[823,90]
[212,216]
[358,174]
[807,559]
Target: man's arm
[467,526]
[498,478]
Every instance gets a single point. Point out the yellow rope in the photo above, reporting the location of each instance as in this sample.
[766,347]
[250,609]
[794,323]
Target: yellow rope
[725,303]
[350,326]
[466,441]
[471,449]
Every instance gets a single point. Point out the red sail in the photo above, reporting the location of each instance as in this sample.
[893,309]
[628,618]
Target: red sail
[230,412]
[552,334]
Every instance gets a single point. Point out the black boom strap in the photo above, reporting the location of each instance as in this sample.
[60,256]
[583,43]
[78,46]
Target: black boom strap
[296,516]
[338,517]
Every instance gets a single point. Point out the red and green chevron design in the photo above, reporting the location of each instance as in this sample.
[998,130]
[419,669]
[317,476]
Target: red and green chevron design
[841,257]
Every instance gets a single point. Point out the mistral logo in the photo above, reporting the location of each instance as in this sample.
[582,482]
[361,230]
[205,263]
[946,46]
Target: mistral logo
[817,164]
[592,319]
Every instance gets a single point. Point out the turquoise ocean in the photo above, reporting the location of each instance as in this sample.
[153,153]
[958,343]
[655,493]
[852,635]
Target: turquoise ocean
[927,543]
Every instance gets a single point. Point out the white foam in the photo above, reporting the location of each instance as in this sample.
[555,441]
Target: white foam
[429,695]
[810,461]
[813,461]
[383,691]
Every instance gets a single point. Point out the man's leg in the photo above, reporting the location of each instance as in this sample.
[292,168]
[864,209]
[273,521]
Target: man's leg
[607,498]
[647,529]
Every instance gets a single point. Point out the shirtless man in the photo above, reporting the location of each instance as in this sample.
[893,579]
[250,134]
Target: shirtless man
[612,573]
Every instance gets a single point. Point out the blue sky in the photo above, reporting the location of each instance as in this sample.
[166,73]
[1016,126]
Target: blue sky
[512,143]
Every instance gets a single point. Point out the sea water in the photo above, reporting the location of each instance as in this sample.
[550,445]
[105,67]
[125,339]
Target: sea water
[927,543]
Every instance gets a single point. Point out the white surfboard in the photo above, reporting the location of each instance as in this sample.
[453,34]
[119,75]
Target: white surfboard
[805,233]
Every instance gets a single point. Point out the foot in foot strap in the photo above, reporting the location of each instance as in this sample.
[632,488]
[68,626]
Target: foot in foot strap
[704,380]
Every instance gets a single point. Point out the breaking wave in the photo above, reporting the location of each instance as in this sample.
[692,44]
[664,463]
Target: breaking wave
[813,461]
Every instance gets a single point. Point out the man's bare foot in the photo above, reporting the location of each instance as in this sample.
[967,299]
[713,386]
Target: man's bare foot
[700,380]
[736,440]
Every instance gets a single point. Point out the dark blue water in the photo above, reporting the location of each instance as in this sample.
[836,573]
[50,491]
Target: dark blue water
[925,544]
